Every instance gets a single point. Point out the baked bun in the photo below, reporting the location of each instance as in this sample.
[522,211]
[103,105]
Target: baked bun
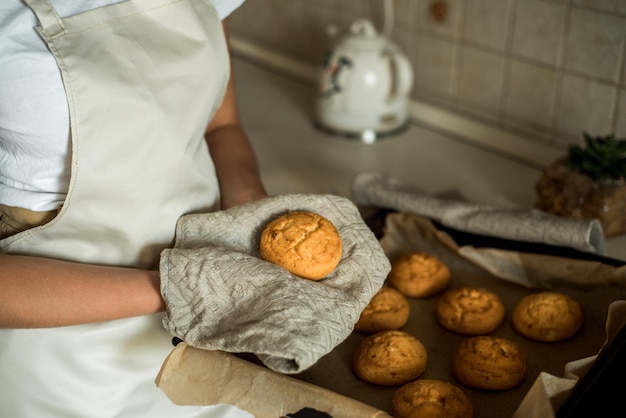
[547,317]
[487,362]
[470,311]
[387,310]
[418,274]
[304,243]
[389,358]
[427,398]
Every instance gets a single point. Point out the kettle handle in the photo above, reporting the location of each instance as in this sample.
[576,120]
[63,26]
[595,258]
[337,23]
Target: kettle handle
[403,75]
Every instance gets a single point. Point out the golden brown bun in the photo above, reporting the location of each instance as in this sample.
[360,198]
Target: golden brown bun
[389,358]
[387,310]
[304,243]
[418,274]
[547,317]
[470,311]
[487,362]
[427,398]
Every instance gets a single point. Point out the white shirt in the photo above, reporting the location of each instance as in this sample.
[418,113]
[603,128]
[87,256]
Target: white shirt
[34,117]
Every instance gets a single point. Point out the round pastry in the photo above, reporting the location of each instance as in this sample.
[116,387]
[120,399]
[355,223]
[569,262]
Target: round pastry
[304,243]
[547,317]
[426,398]
[387,310]
[488,362]
[418,274]
[470,311]
[389,358]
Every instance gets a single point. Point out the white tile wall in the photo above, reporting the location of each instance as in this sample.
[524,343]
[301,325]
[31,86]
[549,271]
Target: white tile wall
[481,76]
[485,23]
[548,69]
[529,95]
[585,105]
[538,30]
[594,44]
[432,60]
[405,12]
[439,18]
[618,6]
[620,130]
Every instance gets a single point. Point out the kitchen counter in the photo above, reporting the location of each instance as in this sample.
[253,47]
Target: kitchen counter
[296,157]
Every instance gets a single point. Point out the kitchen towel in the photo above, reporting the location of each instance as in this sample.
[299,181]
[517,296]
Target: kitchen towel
[528,225]
[221,295]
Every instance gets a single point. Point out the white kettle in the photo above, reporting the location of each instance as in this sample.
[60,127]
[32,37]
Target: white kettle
[364,86]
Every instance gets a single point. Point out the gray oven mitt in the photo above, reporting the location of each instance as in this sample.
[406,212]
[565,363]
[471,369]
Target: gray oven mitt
[221,295]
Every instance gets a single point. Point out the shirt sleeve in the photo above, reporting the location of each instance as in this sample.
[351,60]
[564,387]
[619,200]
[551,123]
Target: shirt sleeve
[226,7]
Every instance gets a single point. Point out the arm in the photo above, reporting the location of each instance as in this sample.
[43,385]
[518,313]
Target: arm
[41,292]
[235,162]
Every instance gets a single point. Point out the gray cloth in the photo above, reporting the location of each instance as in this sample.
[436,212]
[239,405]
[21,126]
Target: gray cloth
[221,295]
[378,190]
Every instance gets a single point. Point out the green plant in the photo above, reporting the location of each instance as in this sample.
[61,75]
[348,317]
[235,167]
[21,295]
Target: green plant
[602,157]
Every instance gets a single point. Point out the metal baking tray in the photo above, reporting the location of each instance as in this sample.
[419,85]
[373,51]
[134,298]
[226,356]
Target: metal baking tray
[334,370]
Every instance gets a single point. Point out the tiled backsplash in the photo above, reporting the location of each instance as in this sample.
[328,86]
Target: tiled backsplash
[545,69]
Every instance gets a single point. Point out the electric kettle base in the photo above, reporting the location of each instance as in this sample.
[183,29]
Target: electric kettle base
[367,136]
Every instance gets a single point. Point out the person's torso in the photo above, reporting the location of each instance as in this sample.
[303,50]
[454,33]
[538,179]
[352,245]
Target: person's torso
[34,118]
[141,86]
[142,78]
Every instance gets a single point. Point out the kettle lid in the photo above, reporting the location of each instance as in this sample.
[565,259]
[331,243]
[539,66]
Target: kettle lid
[364,36]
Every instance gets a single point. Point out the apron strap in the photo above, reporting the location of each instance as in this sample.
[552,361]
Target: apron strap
[51,22]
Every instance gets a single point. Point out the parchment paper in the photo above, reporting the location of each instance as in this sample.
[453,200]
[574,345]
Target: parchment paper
[330,385]
[192,376]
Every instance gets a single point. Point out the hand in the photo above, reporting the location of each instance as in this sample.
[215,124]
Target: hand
[221,295]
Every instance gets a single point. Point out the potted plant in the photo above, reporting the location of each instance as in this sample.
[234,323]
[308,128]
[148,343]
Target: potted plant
[588,183]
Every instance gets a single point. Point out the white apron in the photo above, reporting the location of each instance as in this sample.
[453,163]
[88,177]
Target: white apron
[142,78]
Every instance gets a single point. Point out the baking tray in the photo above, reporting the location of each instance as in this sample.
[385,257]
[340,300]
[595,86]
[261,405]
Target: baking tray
[333,371]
